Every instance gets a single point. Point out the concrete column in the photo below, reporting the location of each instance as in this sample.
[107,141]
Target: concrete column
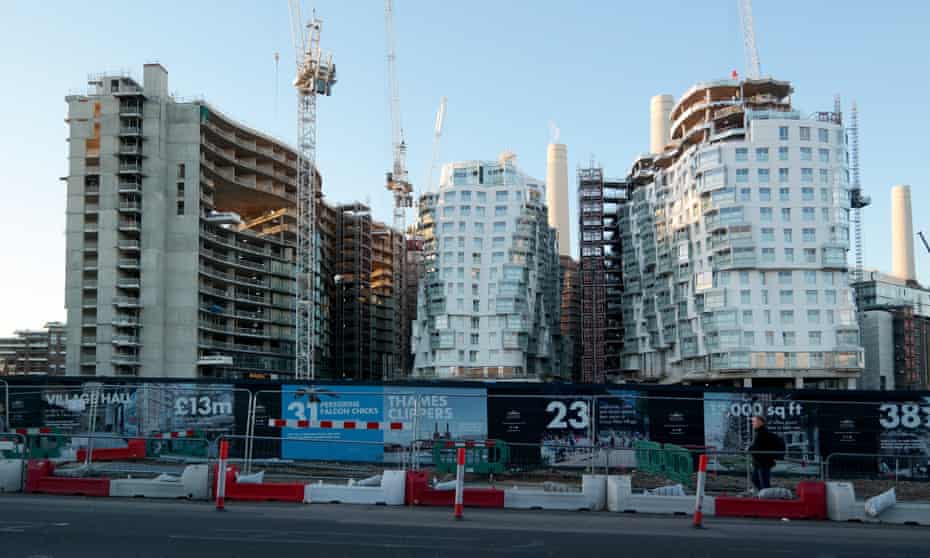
[747,382]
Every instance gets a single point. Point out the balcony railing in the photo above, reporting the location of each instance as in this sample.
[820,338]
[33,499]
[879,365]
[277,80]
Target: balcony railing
[129,245]
[130,206]
[126,301]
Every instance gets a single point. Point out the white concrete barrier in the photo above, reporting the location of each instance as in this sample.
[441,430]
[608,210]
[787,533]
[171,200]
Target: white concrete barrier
[593,497]
[389,493]
[843,506]
[620,498]
[11,475]
[193,483]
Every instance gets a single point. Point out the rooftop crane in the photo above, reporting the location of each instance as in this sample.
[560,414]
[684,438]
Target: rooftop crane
[749,40]
[316,75]
[397,181]
[437,138]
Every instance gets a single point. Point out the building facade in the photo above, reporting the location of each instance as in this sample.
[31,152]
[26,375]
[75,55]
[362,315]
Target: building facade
[600,201]
[570,318]
[735,242]
[34,351]
[488,302]
[181,233]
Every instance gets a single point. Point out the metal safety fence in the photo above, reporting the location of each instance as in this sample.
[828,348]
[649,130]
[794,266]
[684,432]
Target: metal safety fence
[872,474]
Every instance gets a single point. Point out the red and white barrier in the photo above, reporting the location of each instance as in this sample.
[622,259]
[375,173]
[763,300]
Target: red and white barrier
[389,492]
[338,424]
[193,484]
[843,506]
[699,504]
[459,482]
[221,476]
[621,498]
[592,497]
[33,431]
[175,434]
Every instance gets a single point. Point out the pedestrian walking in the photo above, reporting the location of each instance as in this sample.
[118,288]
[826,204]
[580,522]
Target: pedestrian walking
[766,448]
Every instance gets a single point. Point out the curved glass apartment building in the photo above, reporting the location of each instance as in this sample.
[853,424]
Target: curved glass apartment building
[488,303]
[734,244]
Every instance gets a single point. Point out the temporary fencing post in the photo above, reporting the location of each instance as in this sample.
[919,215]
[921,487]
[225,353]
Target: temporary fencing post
[221,476]
[459,483]
[699,505]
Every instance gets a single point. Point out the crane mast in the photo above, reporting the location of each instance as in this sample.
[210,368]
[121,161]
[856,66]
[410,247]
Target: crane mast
[316,75]
[397,181]
[749,40]
[437,138]
[857,199]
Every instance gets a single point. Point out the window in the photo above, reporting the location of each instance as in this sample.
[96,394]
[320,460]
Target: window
[745,194]
[479,228]
[786,296]
[497,257]
[830,317]
[768,255]
[745,297]
[765,296]
[472,356]
[448,197]
[767,235]
[813,338]
[807,194]
[810,277]
[462,242]
[767,314]
[824,195]
[783,153]
[805,133]
[783,133]
[481,197]
[476,243]
[810,255]
[770,338]
[783,176]
[749,338]
[476,258]
[810,235]
[474,338]
[180,186]
[462,226]
[763,176]
[465,211]
[723,278]
[461,257]
[475,323]
[460,304]
[743,277]
[765,194]
[498,241]
[824,176]
[823,135]
[448,211]
[829,296]
[813,316]
[480,211]
[742,154]
[476,306]
[500,226]
[784,194]
[787,317]
[811,296]
[742,176]
[808,214]
[765,214]
[762,154]
[786,214]
[500,210]
[807,176]
[807,154]
[787,233]
[789,255]
[788,338]
[181,207]
[180,170]
[500,196]
[747,317]
[825,214]
[824,155]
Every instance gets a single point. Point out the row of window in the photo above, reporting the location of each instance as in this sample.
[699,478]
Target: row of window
[767,234]
[784,176]
[464,196]
[804,132]
[786,296]
[477,241]
[808,214]
[806,154]
[479,228]
[784,194]
[480,211]
[722,278]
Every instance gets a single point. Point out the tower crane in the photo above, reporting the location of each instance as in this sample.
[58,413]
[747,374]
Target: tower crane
[316,75]
[437,138]
[749,40]
[397,181]
[857,199]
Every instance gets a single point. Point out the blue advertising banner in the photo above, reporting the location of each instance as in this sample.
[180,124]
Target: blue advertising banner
[332,403]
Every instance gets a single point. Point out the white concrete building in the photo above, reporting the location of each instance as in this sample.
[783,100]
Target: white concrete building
[734,245]
[488,304]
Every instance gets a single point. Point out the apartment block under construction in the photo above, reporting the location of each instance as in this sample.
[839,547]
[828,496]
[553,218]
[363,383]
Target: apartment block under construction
[180,238]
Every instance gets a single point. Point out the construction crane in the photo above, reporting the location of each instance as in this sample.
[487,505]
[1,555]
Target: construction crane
[437,138]
[397,182]
[316,75]
[749,40]
[857,200]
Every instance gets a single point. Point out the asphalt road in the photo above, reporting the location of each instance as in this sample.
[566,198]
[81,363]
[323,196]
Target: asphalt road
[55,527]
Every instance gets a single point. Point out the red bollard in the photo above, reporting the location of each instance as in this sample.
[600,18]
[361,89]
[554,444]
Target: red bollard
[459,482]
[699,505]
[221,476]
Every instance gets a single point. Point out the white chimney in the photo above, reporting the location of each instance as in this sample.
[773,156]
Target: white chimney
[902,234]
[557,195]
[660,113]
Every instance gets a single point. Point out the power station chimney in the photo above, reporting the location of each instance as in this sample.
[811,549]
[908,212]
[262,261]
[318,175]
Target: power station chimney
[902,234]
[557,195]
[660,113]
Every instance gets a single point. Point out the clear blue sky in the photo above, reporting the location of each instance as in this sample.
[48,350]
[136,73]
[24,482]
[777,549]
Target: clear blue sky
[508,68]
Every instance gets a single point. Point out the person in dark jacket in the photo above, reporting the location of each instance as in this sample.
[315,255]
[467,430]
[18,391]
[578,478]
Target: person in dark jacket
[769,446]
